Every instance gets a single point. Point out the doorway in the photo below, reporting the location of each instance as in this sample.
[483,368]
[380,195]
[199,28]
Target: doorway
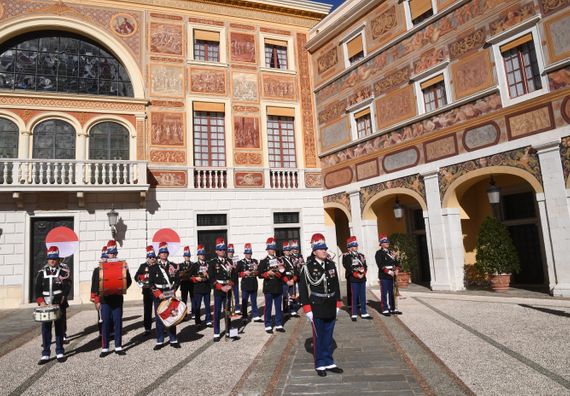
[208,239]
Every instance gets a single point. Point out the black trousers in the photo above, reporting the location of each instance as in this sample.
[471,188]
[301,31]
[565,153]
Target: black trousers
[186,288]
[147,306]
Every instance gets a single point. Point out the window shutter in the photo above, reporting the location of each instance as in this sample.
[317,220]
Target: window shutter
[208,106]
[206,35]
[279,43]
[431,81]
[419,7]
[362,113]
[354,46]
[280,111]
[515,43]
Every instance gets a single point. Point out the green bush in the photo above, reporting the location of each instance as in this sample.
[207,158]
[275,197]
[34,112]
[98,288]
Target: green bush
[496,253]
[406,245]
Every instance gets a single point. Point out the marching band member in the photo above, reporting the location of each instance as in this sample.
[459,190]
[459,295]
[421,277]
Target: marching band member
[320,296]
[298,262]
[271,270]
[186,285]
[220,273]
[163,280]
[102,259]
[202,287]
[289,278]
[387,261]
[141,277]
[66,273]
[355,265]
[111,307]
[247,269]
[52,274]
[235,277]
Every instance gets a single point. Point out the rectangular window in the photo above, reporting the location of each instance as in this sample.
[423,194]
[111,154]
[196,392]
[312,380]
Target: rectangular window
[363,122]
[206,46]
[276,54]
[434,94]
[355,49]
[281,139]
[521,66]
[420,10]
[286,234]
[208,220]
[285,217]
[209,134]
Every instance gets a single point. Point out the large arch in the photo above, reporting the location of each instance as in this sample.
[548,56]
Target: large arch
[368,212]
[32,23]
[334,205]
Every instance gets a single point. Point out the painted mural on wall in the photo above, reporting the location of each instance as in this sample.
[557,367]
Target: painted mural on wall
[473,73]
[206,81]
[307,103]
[511,17]
[530,121]
[559,79]
[248,179]
[168,156]
[332,112]
[327,60]
[313,180]
[166,39]
[550,6]
[246,132]
[565,156]
[411,182]
[169,179]
[278,87]
[481,136]
[396,106]
[429,59]
[524,158]
[447,119]
[167,129]
[166,80]
[124,24]
[468,43]
[248,158]
[335,134]
[340,198]
[393,80]
[242,47]
[558,37]
[245,87]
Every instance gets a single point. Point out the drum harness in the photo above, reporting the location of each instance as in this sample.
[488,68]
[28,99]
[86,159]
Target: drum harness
[51,278]
[167,279]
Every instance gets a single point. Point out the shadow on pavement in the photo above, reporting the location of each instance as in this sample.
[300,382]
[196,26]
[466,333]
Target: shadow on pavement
[547,310]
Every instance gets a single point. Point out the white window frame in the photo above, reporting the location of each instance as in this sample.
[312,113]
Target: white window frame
[500,66]
[344,43]
[291,61]
[408,13]
[420,94]
[367,104]
[223,61]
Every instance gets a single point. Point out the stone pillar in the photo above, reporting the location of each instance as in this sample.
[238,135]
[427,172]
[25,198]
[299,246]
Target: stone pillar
[81,151]
[442,277]
[455,247]
[369,246]
[24,144]
[557,215]
[546,241]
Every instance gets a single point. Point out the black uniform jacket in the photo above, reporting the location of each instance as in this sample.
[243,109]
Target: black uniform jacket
[142,276]
[220,273]
[385,262]
[199,275]
[323,298]
[113,299]
[354,263]
[291,272]
[61,285]
[157,280]
[248,283]
[272,275]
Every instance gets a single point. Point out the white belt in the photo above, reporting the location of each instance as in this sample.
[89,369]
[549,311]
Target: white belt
[161,286]
[46,293]
[223,282]
[389,267]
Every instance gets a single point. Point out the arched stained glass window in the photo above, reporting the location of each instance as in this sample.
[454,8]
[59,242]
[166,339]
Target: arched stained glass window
[51,61]
[108,141]
[54,139]
[8,139]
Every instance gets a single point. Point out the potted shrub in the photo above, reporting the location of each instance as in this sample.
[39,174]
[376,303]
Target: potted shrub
[496,254]
[408,256]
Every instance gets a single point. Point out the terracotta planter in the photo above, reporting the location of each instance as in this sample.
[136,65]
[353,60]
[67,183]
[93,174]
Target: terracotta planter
[403,279]
[500,282]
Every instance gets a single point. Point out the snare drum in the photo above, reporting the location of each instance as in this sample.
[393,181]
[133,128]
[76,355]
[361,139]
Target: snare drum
[49,313]
[112,278]
[171,312]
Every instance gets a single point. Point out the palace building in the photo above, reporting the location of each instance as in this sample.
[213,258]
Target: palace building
[195,115]
[424,107]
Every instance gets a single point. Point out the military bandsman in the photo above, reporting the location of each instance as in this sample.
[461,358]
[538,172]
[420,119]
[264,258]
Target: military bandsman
[235,276]
[320,296]
[355,266]
[142,279]
[52,287]
[110,306]
[186,284]
[290,277]
[202,287]
[220,273]
[164,281]
[388,266]
[248,271]
[271,270]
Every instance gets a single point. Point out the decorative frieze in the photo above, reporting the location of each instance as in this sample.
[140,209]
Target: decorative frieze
[411,182]
[440,148]
[338,177]
[528,122]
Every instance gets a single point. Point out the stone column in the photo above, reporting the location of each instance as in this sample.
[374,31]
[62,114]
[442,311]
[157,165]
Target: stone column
[369,246]
[546,240]
[441,276]
[455,247]
[557,215]
[24,144]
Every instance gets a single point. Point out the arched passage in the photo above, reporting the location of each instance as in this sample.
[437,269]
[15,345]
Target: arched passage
[337,217]
[517,210]
[381,210]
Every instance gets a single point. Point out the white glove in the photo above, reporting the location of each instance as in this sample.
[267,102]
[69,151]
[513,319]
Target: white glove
[391,273]
[309,316]
[337,311]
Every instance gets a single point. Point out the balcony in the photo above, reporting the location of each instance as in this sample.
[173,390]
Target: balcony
[21,175]
[227,178]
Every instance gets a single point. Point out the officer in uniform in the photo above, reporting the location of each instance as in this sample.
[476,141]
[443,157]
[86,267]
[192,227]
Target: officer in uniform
[142,279]
[220,274]
[111,307]
[52,274]
[235,276]
[355,267]
[387,261]
[271,269]
[320,296]
[202,287]
[164,281]
[290,276]
[247,270]
[186,285]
